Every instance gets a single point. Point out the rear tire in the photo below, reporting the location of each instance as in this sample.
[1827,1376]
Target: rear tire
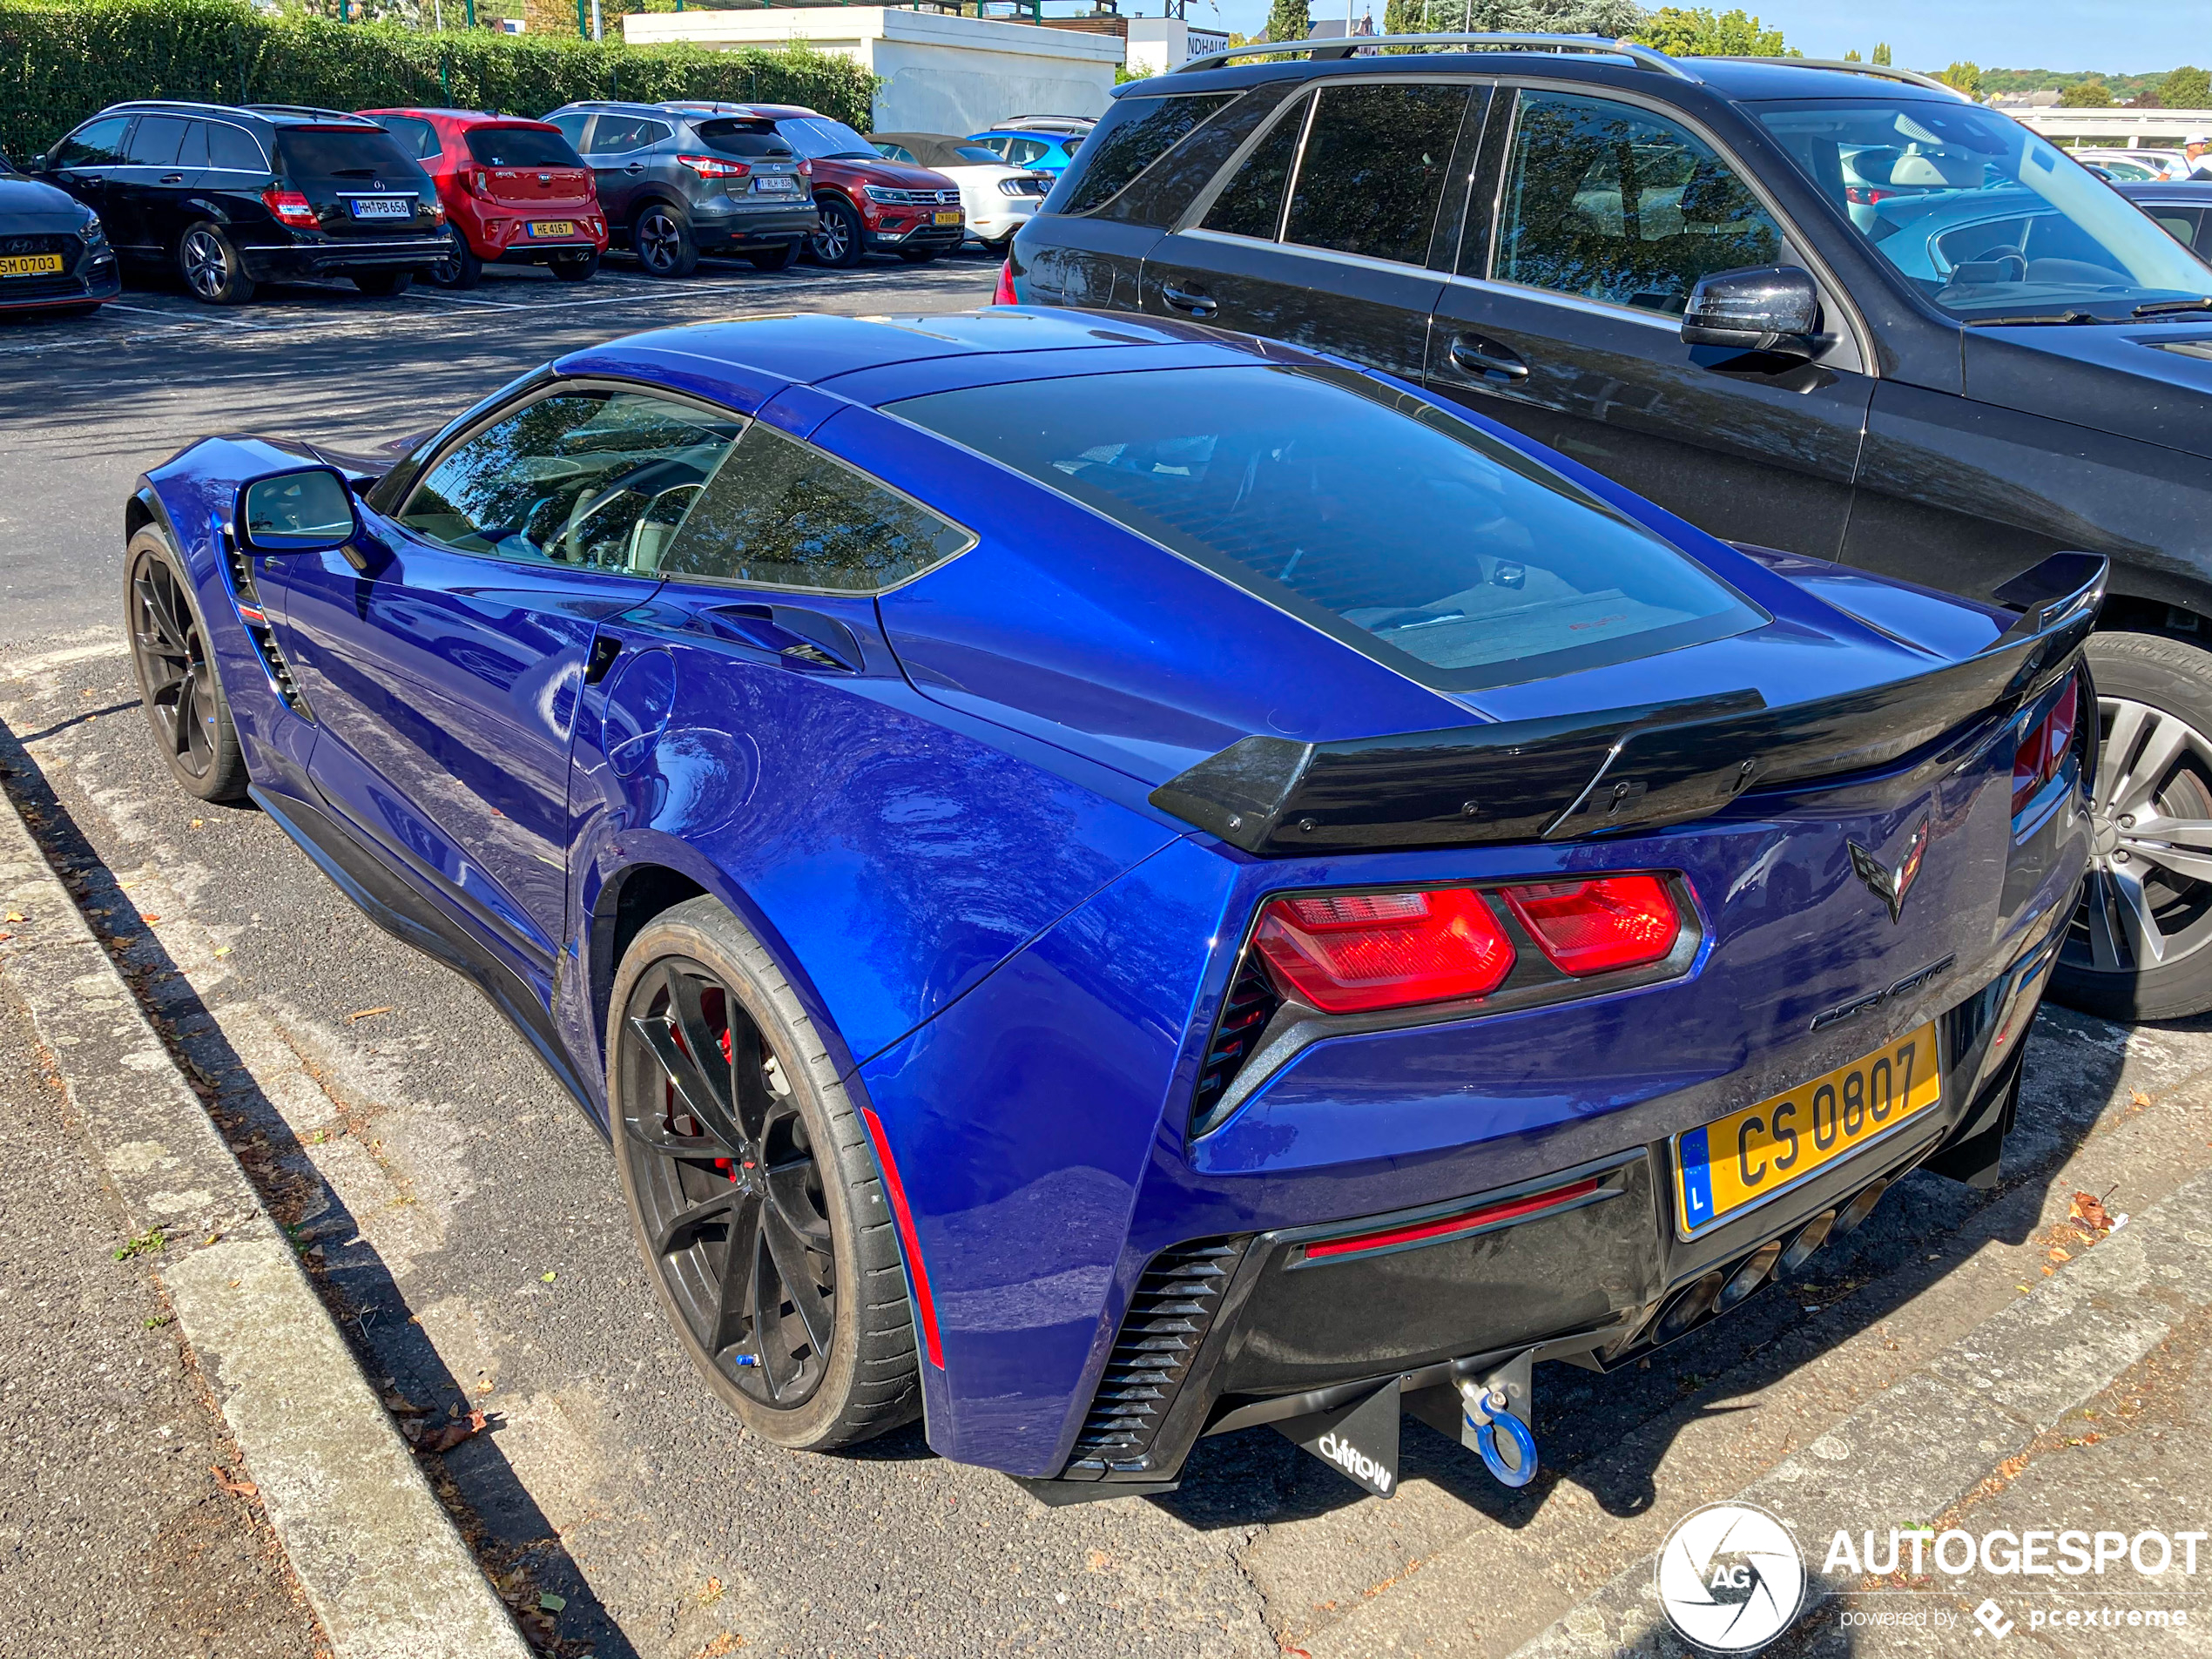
[461,269]
[384,284]
[582,268]
[178,683]
[208,261]
[661,237]
[2155,694]
[810,1219]
[773,258]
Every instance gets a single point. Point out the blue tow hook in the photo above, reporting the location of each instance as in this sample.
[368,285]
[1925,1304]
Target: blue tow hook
[1488,1415]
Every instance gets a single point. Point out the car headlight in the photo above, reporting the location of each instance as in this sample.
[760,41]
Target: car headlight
[94,233]
[883,193]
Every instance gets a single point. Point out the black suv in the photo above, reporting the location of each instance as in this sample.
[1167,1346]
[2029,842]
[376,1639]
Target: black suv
[227,196]
[1833,310]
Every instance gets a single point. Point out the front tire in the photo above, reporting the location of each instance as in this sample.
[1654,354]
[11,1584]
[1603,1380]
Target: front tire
[2139,948]
[752,1191]
[208,261]
[838,243]
[178,684]
[661,237]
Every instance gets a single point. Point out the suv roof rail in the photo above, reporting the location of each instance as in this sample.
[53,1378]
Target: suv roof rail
[1337,47]
[316,110]
[1887,71]
[171,104]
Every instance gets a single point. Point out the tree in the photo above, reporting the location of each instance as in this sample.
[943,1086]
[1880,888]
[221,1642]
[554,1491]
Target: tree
[1611,18]
[1852,57]
[1966,78]
[2186,88]
[2090,93]
[1289,20]
[1685,32]
[1882,55]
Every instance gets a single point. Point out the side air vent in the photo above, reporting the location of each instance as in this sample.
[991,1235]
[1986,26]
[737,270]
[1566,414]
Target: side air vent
[246,598]
[1167,1321]
[1245,1013]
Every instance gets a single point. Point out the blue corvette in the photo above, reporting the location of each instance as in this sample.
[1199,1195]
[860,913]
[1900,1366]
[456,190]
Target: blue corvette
[1110,882]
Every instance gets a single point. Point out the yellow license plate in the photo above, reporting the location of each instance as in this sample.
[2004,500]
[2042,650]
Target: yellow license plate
[1751,1155]
[948,219]
[31,265]
[553,227]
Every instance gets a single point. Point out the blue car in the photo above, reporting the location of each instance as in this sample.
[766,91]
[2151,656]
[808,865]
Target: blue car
[1109,882]
[1038,152]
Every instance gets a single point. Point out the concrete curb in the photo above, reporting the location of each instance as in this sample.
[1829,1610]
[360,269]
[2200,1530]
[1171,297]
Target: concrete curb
[1917,1448]
[380,1559]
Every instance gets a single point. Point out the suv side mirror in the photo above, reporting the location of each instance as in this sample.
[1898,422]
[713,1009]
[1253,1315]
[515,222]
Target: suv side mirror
[1768,308]
[309,509]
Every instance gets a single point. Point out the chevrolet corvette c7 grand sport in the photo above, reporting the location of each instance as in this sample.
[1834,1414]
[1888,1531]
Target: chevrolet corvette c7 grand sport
[1109,882]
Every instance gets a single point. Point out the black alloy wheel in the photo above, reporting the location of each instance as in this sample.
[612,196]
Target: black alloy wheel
[838,243]
[461,268]
[209,263]
[663,241]
[177,682]
[752,1191]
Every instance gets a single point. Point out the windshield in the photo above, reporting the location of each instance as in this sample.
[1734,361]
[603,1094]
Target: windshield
[819,138]
[1486,570]
[1985,218]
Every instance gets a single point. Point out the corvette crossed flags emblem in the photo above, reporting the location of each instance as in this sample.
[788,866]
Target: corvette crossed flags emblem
[1890,886]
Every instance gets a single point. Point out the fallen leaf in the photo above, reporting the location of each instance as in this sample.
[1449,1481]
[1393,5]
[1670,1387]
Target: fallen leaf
[148,916]
[711,1594]
[400,1406]
[545,1277]
[484,1385]
[213,1239]
[197,822]
[13,916]
[2058,1254]
[239,1488]
[2089,1212]
[222,950]
[367,1013]
[2139,1097]
[550,1602]
[446,1436]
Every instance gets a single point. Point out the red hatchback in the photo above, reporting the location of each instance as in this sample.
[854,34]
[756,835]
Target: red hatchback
[513,191]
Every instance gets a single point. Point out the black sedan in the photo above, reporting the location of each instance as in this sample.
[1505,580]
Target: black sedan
[54,256]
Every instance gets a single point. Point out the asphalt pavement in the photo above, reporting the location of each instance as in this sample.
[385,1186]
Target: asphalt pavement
[466,1221]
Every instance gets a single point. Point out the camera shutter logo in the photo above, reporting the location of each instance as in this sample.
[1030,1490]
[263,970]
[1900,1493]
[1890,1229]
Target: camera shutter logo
[1730,1577]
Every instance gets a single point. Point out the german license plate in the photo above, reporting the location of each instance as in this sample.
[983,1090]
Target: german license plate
[552,227]
[948,219]
[31,265]
[771,183]
[381,206]
[1751,1155]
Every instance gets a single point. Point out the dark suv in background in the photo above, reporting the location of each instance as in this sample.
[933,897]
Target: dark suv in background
[677,180]
[227,196]
[1834,311]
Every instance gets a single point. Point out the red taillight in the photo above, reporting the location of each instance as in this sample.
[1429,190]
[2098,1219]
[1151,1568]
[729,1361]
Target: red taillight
[1866,195]
[1596,926]
[290,207]
[1353,953]
[714,167]
[805,169]
[1489,1214]
[1005,294]
[2042,751]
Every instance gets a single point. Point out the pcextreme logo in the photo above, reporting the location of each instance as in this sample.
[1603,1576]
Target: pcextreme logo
[1730,1577]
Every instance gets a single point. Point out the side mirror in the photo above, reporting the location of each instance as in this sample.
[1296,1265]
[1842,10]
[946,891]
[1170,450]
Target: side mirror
[309,509]
[1768,308]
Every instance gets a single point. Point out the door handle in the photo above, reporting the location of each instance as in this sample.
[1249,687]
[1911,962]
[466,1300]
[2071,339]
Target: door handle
[1193,300]
[635,167]
[803,638]
[171,179]
[1487,358]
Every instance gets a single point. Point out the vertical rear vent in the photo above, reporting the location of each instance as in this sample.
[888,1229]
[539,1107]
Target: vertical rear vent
[1251,1003]
[1167,1321]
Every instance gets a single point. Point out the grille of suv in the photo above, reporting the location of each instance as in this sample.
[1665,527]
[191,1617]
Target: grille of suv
[1167,1321]
[916,197]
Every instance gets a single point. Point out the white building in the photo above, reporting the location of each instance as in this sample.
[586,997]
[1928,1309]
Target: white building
[943,74]
[1158,44]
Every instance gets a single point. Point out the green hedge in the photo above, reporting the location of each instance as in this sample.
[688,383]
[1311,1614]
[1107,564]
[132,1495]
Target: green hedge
[60,60]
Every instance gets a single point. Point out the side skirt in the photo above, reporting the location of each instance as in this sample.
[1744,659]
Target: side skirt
[388,901]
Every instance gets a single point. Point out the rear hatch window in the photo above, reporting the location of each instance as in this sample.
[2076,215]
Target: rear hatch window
[521,147]
[1392,526]
[744,138]
[347,156]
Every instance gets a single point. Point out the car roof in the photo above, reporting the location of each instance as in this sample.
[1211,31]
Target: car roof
[278,115]
[460,118]
[744,361]
[2166,190]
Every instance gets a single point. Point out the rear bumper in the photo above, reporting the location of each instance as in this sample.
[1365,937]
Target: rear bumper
[1596,1275]
[506,238]
[754,227]
[276,263]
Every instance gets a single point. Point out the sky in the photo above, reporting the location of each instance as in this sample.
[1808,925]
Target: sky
[2127,39]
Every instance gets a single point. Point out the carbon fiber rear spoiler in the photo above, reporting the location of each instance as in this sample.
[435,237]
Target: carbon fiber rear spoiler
[1615,769]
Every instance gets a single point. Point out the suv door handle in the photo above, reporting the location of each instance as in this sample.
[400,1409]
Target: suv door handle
[171,179]
[1193,300]
[635,167]
[1487,358]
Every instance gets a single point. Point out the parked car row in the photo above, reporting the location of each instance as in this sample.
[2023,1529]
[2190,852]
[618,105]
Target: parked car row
[225,198]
